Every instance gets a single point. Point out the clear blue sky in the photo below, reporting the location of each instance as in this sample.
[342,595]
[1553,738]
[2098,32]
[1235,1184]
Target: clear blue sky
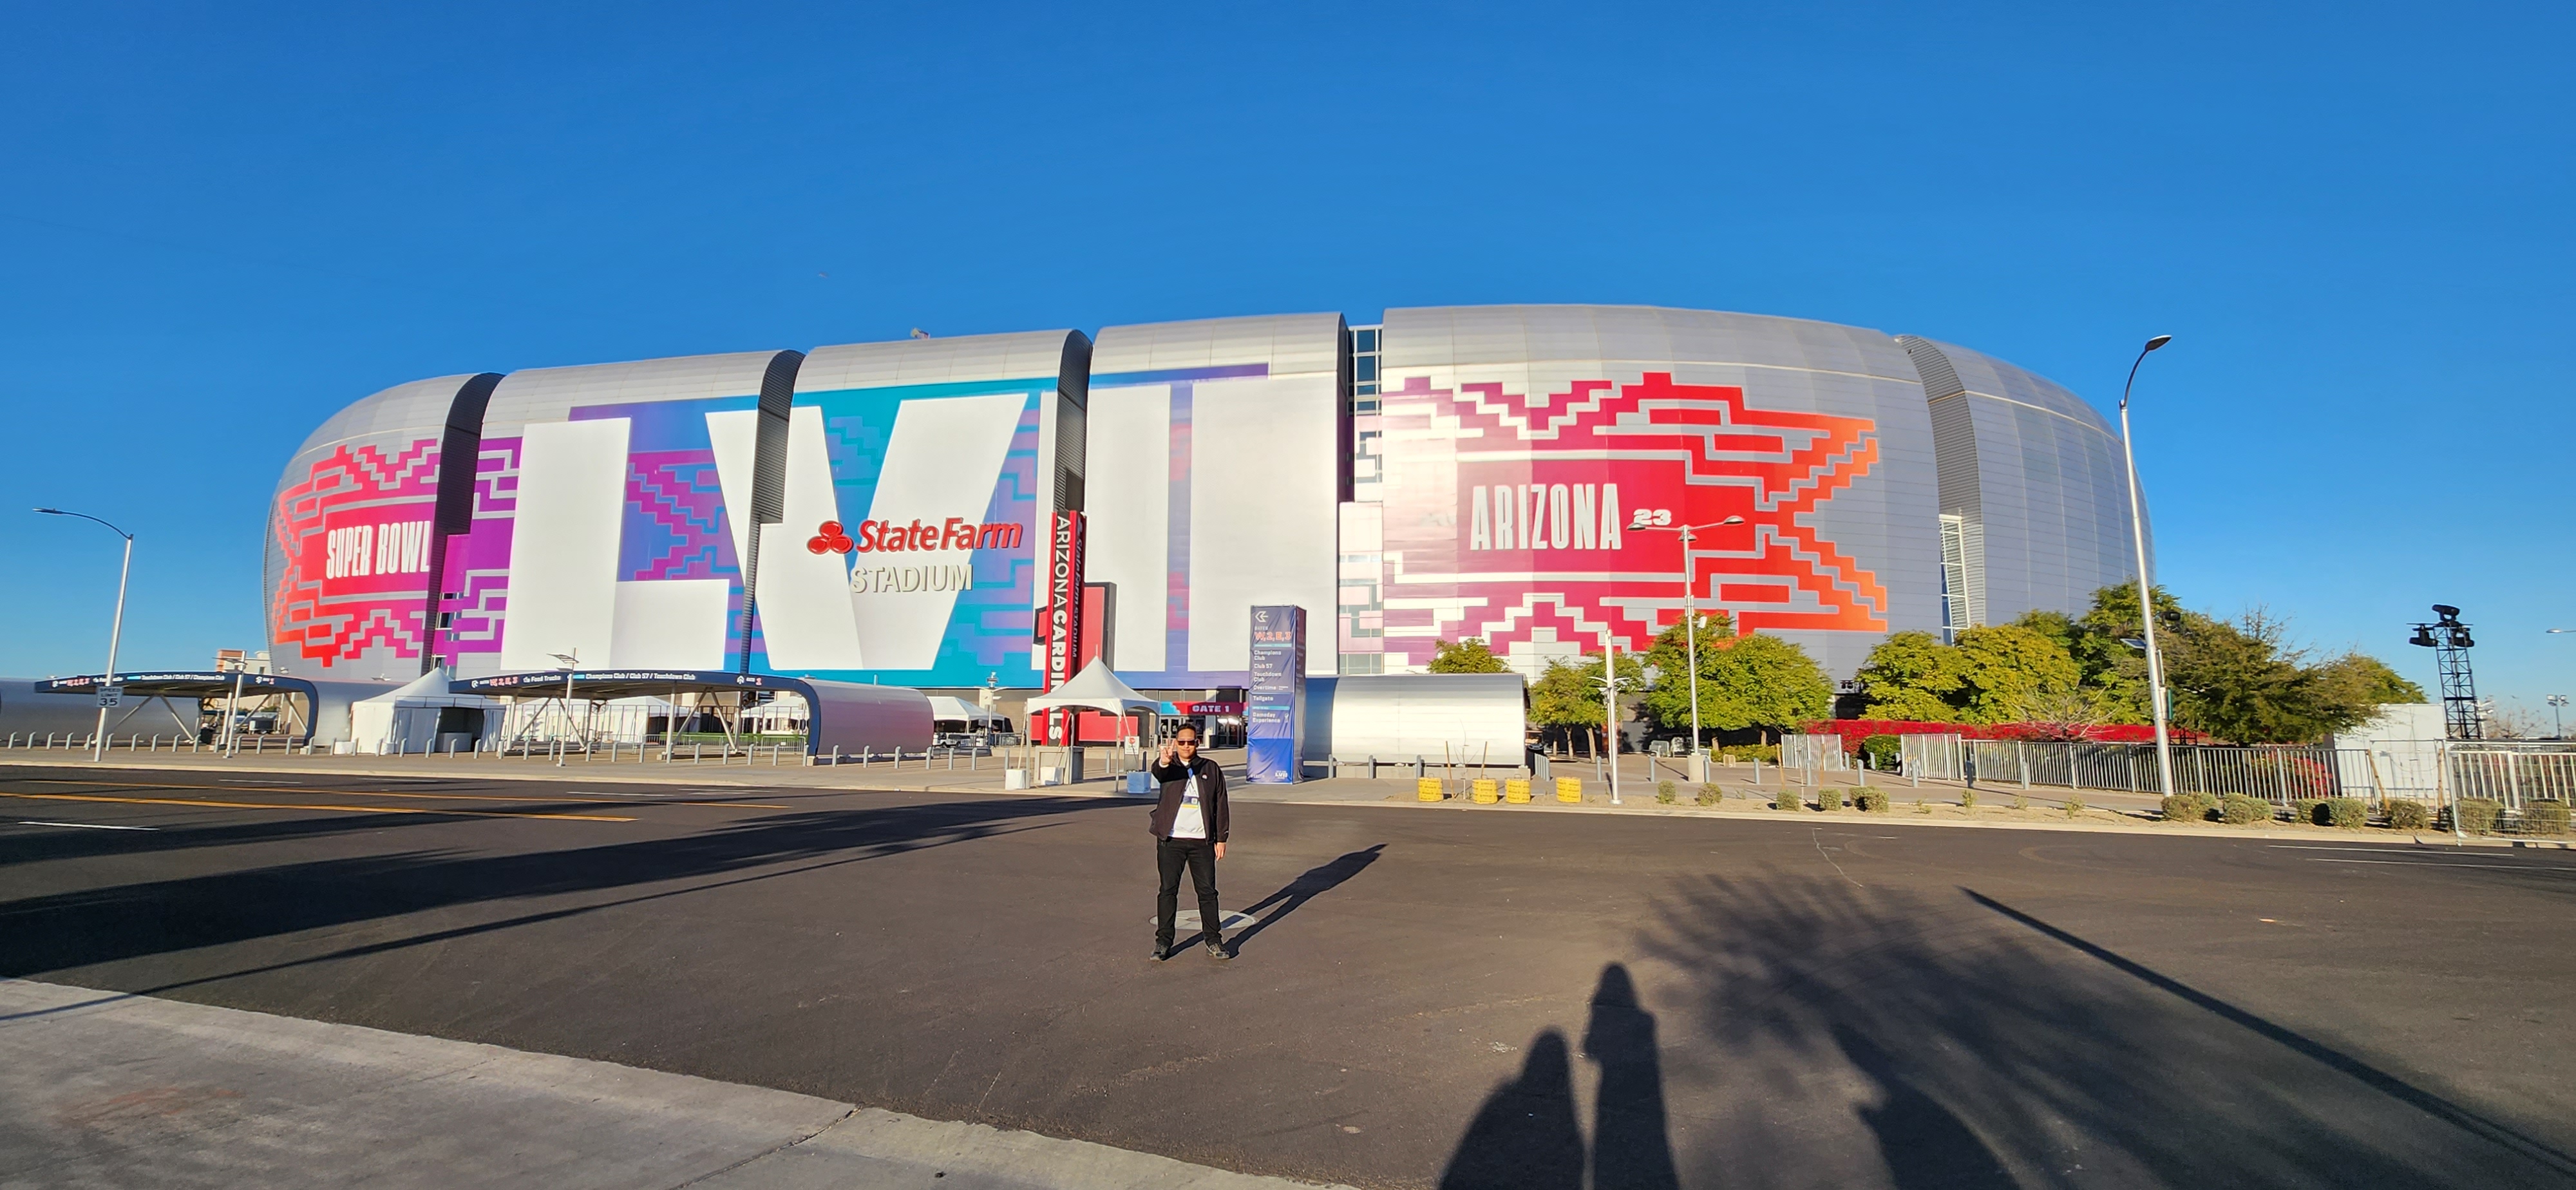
[220,224]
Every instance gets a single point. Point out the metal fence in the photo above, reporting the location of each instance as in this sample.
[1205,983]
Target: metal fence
[1940,757]
[2509,774]
[1818,752]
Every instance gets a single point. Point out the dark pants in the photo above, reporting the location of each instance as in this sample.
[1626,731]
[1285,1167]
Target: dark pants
[1200,855]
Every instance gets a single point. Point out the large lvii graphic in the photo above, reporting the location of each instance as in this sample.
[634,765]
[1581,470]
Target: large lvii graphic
[1552,505]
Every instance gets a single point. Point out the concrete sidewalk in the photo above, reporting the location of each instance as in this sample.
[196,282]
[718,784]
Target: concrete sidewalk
[108,1090]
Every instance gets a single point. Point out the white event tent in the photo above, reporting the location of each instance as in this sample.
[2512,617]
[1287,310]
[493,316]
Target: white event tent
[419,716]
[1096,688]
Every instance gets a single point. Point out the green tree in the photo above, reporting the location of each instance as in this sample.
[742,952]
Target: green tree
[1469,656]
[2361,680]
[2006,670]
[1912,676]
[1569,696]
[1667,701]
[1762,682]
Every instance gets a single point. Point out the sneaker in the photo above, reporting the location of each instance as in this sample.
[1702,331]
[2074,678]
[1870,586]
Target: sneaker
[1216,951]
[1160,953]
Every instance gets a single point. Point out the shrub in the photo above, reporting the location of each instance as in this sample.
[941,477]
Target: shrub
[1664,794]
[1829,798]
[1709,795]
[2406,814]
[2074,806]
[2345,812]
[1766,753]
[1870,799]
[2476,815]
[2309,809]
[2188,807]
[2020,802]
[1967,799]
[2542,816]
[1921,806]
[1882,751]
[2236,809]
[1787,800]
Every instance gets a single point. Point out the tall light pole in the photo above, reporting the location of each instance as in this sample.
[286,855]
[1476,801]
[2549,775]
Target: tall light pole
[1690,616]
[2146,586]
[116,629]
[571,661]
[2557,721]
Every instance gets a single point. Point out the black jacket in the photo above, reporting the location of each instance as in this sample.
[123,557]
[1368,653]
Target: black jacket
[1176,784]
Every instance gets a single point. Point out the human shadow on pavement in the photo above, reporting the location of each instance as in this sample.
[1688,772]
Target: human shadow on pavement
[69,930]
[1526,1133]
[1525,1137]
[1314,882]
[2002,1049]
[1631,1149]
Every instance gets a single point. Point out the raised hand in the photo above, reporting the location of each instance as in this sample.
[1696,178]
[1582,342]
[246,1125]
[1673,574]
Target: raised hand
[1168,754]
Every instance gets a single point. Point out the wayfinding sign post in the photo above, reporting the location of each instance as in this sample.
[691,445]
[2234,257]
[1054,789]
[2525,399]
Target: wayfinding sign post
[1274,718]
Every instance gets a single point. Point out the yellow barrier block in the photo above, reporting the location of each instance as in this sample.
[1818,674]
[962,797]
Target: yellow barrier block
[1516,791]
[1485,791]
[1427,789]
[1570,790]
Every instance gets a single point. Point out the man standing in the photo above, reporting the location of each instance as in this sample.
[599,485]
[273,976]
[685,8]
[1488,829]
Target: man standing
[1189,826]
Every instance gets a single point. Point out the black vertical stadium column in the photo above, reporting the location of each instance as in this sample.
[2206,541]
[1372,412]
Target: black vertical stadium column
[768,480]
[460,448]
[1345,445]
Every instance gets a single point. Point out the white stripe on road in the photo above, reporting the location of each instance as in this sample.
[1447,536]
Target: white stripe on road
[91,826]
[2419,863]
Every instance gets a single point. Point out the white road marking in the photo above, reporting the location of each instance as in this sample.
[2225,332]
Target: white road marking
[90,826]
[2418,863]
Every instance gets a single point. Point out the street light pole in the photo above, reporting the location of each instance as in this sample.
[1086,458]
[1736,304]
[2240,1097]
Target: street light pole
[115,631]
[571,661]
[1690,617]
[2146,588]
[1610,709]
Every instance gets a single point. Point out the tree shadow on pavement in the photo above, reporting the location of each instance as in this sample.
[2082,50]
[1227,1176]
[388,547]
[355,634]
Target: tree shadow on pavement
[1526,1135]
[78,929]
[1996,1049]
[1314,882]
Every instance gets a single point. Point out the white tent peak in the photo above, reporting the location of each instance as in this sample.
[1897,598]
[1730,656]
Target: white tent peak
[1096,688]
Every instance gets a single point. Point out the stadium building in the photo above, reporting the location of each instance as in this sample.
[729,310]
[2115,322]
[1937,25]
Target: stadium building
[881,512]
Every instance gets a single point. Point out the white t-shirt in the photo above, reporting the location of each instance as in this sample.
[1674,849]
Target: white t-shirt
[1190,822]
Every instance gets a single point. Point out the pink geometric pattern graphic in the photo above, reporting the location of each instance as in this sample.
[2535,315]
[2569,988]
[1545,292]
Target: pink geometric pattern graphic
[349,583]
[1507,513]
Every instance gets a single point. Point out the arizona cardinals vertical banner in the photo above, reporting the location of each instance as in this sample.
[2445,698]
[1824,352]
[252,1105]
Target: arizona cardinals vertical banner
[1063,615]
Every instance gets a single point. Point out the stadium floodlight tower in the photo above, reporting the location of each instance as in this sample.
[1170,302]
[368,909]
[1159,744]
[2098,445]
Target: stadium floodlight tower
[2450,641]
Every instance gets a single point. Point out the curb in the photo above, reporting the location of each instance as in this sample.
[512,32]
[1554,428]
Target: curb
[1397,801]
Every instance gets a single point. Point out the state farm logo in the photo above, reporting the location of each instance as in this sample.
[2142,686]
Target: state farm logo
[956,533]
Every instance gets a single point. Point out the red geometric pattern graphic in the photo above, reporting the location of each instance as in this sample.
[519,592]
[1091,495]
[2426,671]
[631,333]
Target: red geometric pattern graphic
[354,539]
[1507,513]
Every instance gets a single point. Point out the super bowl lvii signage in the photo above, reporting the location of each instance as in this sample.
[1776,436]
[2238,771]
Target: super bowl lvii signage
[1274,716]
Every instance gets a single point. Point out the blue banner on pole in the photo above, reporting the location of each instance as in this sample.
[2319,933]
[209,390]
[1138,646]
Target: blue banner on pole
[1274,717]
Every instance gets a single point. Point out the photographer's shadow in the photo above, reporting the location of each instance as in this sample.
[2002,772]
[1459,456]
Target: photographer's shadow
[1526,1134]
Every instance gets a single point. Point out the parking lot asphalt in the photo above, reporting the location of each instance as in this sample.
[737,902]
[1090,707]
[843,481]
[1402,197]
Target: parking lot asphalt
[1424,999]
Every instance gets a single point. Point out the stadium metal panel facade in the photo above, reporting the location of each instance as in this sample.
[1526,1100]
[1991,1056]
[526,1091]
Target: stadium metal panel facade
[880,512]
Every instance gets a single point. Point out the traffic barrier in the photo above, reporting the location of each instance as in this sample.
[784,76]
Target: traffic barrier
[1569,790]
[1427,789]
[1485,791]
[1516,792]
